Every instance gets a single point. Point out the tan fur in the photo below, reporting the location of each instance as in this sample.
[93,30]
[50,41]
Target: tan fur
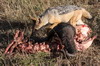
[73,17]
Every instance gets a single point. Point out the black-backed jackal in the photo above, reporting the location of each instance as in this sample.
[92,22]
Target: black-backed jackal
[56,15]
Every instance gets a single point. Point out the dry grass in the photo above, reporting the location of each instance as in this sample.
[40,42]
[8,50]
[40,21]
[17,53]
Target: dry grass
[14,14]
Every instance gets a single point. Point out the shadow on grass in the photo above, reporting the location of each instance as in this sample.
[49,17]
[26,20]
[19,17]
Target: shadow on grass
[5,25]
[7,30]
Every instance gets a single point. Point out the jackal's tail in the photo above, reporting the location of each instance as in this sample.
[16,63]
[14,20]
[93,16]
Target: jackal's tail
[86,14]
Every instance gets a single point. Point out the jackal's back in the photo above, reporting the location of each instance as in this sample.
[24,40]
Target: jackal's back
[61,9]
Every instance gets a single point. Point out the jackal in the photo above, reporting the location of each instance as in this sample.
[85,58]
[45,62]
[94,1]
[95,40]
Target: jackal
[56,15]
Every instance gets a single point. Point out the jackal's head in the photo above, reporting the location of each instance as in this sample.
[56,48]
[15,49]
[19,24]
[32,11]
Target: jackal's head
[40,22]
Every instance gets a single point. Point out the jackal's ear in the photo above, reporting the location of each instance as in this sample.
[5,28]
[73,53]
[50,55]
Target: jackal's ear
[33,18]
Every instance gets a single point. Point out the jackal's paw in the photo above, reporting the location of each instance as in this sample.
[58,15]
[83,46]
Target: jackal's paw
[51,27]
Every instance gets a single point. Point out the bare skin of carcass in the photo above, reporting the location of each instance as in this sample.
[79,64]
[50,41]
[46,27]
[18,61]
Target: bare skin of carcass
[82,42]
[82,39]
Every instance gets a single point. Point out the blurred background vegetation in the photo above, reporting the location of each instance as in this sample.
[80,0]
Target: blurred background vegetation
[14,14]
[19,10]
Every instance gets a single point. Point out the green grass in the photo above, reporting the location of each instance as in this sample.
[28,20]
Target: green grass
[26,59]
[14,14]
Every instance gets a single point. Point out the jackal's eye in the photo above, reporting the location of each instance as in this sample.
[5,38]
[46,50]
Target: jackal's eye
[39,21]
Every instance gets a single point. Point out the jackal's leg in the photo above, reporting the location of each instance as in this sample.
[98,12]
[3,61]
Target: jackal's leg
[52,26]
[76,17]
[79,22]
[55,21]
